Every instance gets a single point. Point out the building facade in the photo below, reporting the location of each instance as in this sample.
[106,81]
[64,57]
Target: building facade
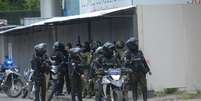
[169,36]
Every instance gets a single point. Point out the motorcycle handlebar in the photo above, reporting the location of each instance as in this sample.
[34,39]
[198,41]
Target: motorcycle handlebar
[103,72]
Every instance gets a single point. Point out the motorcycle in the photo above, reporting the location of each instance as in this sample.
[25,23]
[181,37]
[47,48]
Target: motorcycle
[11,81]
[113,84]
[29,88]
[53,80]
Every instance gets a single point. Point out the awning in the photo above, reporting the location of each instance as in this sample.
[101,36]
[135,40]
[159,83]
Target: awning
[7,27]
[68,18]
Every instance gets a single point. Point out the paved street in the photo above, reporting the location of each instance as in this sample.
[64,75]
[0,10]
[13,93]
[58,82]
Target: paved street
[168,98]
[5,98]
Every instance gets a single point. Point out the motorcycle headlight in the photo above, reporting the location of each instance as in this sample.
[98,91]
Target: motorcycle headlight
[53,66]
[115,77]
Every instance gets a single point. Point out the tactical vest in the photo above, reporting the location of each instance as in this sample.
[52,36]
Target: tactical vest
[109,63]
[136,62]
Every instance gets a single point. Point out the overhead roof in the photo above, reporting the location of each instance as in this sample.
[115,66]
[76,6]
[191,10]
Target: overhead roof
[68,18]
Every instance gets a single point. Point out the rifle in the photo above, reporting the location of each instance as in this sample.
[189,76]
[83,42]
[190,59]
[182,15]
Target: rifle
[78,41]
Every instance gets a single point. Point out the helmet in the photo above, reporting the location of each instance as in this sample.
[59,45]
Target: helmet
[69,45]
[119,44]
[132,44]
[98,43]
[40,49]
[58,46]
[74,52]
[108,49]
[86,47]
[95,45]
[99,50]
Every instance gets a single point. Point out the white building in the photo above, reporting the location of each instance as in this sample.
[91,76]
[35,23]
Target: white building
[169,35]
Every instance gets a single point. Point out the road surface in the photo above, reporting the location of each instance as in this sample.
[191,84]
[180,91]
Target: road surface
[3,97]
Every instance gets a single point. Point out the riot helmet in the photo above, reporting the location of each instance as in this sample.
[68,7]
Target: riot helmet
[108,49]
[75,52]
[99,51]
[120,45]
[132,44]
[58,46]
[40,49]
[86,47]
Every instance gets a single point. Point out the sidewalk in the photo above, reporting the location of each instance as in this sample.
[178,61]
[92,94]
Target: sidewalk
[166,98]
[173,97]
[170,98]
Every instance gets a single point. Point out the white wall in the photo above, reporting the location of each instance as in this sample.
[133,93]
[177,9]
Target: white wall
[192,22]
[168,35]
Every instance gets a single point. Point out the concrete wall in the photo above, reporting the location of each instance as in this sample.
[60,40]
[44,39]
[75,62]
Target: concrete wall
[192,22]
[169,36]
[69,33]
[112,29]
[23,45]
[101,29]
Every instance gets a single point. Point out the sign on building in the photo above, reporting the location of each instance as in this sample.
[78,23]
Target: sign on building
[156,2]
[87,6]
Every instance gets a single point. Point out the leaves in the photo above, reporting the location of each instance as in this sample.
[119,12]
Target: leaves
[32,4]
[12,5]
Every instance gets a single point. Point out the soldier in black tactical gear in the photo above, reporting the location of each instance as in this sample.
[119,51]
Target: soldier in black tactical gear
[105,61]
[76,73]
[40,64]
[63,71]
[66,60]
[134,59]
[58,58]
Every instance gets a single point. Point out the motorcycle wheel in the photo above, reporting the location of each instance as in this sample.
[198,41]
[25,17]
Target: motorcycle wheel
[15,90]
[118,95]
[24,93]
[31,92]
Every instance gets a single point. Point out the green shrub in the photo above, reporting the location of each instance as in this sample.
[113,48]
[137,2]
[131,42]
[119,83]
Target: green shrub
[170,90]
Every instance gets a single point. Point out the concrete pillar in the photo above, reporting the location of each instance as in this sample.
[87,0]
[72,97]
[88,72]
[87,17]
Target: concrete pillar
[1,48]
[50,8]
